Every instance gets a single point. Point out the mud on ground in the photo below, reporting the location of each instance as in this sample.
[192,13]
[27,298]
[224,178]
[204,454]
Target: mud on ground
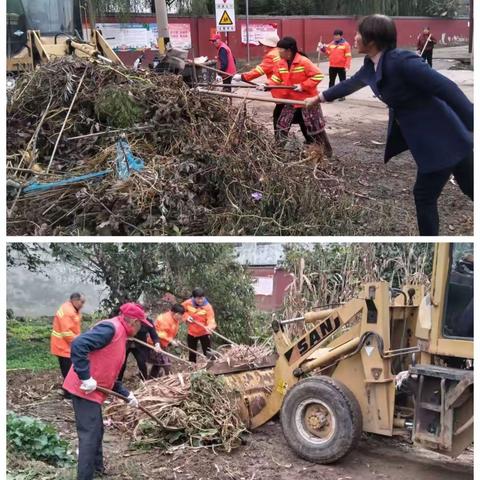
[265,454]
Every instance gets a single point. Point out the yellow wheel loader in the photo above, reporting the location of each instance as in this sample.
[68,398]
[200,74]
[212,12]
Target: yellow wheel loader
[390,362]
[41,30]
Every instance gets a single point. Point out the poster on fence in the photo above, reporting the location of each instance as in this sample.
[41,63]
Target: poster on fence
[123,37]
[180,35]
[256,32]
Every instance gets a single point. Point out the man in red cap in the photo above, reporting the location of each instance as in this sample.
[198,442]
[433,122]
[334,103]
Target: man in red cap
[226,60]
[97,357]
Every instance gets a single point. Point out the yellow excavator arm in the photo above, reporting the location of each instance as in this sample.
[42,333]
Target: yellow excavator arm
[343,375]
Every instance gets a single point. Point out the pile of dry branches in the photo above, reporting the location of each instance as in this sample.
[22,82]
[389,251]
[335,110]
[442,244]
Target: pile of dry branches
[194,410]
[235,355]
[209,168]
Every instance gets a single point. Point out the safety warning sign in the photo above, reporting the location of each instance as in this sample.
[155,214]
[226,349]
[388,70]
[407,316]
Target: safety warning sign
[225,15]
[225,20]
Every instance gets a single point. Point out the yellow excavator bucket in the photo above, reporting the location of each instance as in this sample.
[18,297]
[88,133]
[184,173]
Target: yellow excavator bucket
[252,384]
[253,387]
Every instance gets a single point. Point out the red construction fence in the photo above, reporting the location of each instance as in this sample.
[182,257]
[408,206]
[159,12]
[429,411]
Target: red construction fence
[307,30]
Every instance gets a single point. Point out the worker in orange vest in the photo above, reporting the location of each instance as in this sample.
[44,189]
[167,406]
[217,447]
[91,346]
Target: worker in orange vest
[166,326]
[66,327]
[267,67]
[297,70]
[198,309]
[226,60]
[339,54]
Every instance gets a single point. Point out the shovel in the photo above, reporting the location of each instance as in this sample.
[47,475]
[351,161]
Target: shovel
[125,399]
[251,85]
[191,320]
[171,355]
[125,163]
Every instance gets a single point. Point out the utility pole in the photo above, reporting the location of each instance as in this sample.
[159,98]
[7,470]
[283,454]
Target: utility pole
[248,34]
[470,33]
[162,24]
[91,17]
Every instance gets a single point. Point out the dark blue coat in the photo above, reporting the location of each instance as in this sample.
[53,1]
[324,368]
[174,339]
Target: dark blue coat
[429,114]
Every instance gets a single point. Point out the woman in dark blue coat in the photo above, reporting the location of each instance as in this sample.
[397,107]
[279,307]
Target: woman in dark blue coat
[429,115]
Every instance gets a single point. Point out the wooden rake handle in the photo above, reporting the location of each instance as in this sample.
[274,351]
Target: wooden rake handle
[125,399]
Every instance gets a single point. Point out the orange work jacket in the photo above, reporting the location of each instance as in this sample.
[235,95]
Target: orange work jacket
[339,54]
[266,67]
[203,315]
[166,327]
[301,72]
[66,326]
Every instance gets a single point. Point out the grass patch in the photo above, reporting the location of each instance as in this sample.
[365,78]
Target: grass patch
[28,344]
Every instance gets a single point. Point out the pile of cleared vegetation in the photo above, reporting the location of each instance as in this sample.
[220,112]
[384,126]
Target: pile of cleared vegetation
[208,167]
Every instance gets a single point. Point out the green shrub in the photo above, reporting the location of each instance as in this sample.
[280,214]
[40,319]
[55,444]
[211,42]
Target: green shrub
[37,439]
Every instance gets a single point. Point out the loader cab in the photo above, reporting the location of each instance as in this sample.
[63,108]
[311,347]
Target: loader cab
[50,17]
[458,313]
[16,27]
[449,330]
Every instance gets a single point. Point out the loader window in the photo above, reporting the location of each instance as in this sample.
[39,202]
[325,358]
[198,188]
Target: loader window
[458,320]
[50,16]
[16,27]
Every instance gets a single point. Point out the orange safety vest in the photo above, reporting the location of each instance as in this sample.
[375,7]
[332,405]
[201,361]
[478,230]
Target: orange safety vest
[65,328]
[339,54]
[301,72]
[166,327]
[203,315]
[266,67]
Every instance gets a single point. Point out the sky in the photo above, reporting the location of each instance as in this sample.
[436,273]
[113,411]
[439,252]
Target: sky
[33,294]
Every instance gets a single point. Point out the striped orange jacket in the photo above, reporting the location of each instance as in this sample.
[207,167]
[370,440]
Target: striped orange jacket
[66,327]
[301,72]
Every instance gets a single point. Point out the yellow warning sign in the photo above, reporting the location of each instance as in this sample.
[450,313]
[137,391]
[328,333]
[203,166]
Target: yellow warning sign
[225,19]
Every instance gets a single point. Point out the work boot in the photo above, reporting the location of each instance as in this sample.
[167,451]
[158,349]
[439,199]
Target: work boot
[101,473]
[66,395]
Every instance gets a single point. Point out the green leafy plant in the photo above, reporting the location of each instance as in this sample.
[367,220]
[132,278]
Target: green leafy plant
[118,108]
[37,439]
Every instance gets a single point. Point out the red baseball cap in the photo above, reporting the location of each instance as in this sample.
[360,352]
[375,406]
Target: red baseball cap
[217,36]
[133,310]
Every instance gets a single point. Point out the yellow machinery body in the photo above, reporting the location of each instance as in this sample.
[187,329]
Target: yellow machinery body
[28,46]
[365,343]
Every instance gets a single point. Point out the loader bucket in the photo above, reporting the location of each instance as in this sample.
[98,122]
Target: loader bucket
[252,384]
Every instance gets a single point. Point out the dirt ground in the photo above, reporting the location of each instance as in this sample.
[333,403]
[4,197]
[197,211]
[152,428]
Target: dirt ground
[357,131]
[265,454]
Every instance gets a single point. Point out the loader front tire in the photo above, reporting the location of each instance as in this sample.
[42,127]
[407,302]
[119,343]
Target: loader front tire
[321,419]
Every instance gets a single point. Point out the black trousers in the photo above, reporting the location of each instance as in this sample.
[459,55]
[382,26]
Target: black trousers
[156,369]
[227,81]
[297,118]
[141,356]
[428,56]
[89,423]
[65,364]
[192,342]
[332,75]
[428,188]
